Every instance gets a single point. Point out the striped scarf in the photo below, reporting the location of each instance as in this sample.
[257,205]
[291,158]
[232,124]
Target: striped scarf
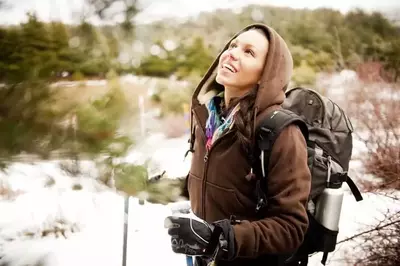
[216,125]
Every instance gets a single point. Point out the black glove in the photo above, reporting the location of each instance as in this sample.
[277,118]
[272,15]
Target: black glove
[189,236]
[195,237]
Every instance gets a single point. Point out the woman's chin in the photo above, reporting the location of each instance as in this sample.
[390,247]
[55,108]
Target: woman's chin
[222,80]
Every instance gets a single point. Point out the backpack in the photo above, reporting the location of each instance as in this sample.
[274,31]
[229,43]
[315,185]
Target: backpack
[328,134]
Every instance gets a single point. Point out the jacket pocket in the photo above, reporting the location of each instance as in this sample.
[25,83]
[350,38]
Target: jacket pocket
[222,202]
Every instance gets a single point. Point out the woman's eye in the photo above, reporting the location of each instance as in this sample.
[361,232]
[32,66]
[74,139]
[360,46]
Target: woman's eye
[233,45]
[249,51]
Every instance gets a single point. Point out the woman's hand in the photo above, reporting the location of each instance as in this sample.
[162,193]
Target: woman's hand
[193,236]
[190,236]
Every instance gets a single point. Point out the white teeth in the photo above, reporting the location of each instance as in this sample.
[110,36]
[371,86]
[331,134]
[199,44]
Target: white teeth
[229,67]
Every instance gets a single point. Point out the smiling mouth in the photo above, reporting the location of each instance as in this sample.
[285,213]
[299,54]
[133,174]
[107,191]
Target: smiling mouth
[229,67]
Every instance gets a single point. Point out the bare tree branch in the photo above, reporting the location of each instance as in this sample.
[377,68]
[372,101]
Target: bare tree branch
[383,194]
[368,231]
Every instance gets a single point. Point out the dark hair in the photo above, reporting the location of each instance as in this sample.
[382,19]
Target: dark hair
[244,118]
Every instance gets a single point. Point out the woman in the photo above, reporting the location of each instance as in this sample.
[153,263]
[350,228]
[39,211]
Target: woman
[246,81]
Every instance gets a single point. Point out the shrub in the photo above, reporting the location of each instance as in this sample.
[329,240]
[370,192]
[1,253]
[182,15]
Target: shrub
[77,76]
[304,75]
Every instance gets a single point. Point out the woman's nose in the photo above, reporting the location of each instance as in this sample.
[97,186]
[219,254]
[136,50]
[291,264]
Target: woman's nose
[233,54]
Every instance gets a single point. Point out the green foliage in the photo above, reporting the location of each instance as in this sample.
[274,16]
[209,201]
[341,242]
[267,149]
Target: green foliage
[38,50]
[98,123]
[33,55]
[33,122]
[156,66]
[186,60]
[26,51]
[77,76]
[164,191]
[172,100]
[77,187]
[27,119]
[196,59]
[94,67]
[326,39]
[318,61]
[131,179]
[392,59]
[134,180]
[304,75]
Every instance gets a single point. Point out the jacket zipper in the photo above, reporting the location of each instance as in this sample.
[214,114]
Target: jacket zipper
[206,157]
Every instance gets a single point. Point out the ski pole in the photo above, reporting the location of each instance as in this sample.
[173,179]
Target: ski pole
[189,260]
[125,240]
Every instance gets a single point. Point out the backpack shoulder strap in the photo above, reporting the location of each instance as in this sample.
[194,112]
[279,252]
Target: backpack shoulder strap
[269,129]
[267,132]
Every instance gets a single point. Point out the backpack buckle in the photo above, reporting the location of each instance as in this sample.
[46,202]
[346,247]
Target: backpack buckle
[233,220]
[261,197]
[260,204]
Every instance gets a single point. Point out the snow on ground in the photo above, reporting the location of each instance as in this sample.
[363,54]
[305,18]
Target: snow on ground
[33,176]
[98,222]
[90,221]
[85,227]
[97,219]
[163,154]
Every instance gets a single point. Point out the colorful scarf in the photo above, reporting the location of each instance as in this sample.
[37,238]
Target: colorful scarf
[216,125]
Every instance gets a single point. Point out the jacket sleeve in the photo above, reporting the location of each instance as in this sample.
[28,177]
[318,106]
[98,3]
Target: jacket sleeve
[289,184]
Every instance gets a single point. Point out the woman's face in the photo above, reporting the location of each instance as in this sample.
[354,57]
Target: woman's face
[241,65]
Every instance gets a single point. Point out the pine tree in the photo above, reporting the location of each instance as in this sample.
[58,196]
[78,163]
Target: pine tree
[10,46]
[36,53]
[63,59]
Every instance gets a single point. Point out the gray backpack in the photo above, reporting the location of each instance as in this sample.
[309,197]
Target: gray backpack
[328,133]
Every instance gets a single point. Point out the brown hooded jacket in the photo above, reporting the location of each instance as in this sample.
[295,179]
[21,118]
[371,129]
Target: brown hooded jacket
[217,185]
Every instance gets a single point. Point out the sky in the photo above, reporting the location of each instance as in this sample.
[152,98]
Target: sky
[68,10]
